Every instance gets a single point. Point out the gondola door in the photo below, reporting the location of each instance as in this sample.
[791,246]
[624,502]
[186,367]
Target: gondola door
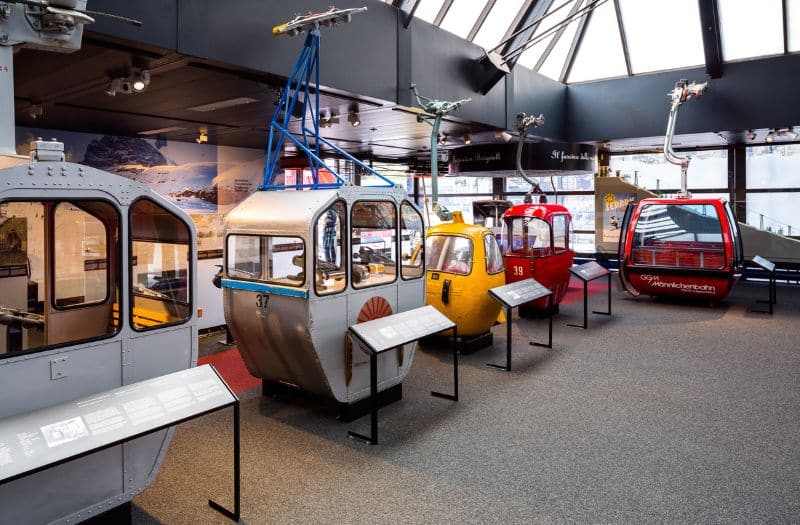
[624,249]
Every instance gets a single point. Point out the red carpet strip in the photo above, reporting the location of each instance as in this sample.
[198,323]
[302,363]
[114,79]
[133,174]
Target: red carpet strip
[230,366]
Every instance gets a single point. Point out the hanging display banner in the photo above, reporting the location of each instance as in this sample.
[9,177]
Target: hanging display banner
[500,159]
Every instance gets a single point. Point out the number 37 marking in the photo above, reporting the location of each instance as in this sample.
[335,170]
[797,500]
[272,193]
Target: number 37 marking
[262,300]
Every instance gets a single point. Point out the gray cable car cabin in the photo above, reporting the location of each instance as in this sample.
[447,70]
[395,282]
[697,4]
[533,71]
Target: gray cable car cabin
[302,266]
[97,275]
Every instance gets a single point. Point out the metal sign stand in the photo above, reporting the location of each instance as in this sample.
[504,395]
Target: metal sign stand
[769,266]
[513,295]
[37,462]
[381,335]
[589,272]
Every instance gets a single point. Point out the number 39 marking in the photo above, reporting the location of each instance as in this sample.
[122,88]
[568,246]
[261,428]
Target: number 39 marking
[262,300]
[517,270]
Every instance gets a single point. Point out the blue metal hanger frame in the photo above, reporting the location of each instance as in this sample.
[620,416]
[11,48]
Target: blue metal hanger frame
[300,83]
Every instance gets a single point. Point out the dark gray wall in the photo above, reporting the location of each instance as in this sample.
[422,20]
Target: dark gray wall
[754,94]
[376,57]
[442,65]
[159,20]
[362,58]
[533,93]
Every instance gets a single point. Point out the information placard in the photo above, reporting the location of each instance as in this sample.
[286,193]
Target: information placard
[589,271]
[764,263]
[35,440]
[398,329]
[520,292]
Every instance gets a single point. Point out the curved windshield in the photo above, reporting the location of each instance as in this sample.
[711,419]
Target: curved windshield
[526,236]
[448,253]
[678,235]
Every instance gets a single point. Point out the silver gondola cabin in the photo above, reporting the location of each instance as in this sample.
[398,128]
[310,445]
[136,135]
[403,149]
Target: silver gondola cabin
[302,266]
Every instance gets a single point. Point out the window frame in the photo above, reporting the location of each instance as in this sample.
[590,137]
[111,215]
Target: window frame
[48,272]
[400,237]
[345,249]
[227,251]
[641,244]
[567,222]
[189,273]
[472,252]
[486,254]
[551,245]
[396,230]
[52,247]
[263,237]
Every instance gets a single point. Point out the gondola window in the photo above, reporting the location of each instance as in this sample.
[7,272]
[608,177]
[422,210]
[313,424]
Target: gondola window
[330,275]
[373,243]
[412,247]
[160,280]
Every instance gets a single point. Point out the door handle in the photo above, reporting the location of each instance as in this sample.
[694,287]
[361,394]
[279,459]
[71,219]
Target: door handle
[446,291]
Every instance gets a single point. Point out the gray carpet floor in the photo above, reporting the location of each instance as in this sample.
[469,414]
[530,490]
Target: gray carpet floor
[662,413]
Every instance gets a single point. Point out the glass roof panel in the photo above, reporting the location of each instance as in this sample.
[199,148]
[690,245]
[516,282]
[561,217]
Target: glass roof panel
[558,11]
[653,42]
[497,23]
[793,24]
[750,29]
[531,56]
[600,53]
[462,16]
[428,9]
[555,62]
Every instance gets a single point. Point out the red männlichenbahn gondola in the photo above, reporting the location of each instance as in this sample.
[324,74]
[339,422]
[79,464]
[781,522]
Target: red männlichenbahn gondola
[680,247]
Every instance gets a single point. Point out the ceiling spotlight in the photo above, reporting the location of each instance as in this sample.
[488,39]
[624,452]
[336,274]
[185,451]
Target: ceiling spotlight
[353,119]
[140,80]
[468,139]
[136,82]
[442,139]
[770,136]
[750,135]
[202,136]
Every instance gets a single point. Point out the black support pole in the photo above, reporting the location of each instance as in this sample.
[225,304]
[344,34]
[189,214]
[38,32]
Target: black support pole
[609,299]
[373,391]
[454,396]
[236,515]
[374,402]
[510,314]
[507,368]
[585,307]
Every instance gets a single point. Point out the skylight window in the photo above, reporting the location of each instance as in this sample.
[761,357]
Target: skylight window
[554,64]
[462,16]
[793,24]
[653,42]
[556,13]
[600,53]
[750,29]
[428,9]
[497,22]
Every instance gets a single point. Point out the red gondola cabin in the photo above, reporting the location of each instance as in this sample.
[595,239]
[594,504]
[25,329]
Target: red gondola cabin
[680,247]
[535,244]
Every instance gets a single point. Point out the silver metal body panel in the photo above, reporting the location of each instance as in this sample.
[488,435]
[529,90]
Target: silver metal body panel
[83,488]
[301,341]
